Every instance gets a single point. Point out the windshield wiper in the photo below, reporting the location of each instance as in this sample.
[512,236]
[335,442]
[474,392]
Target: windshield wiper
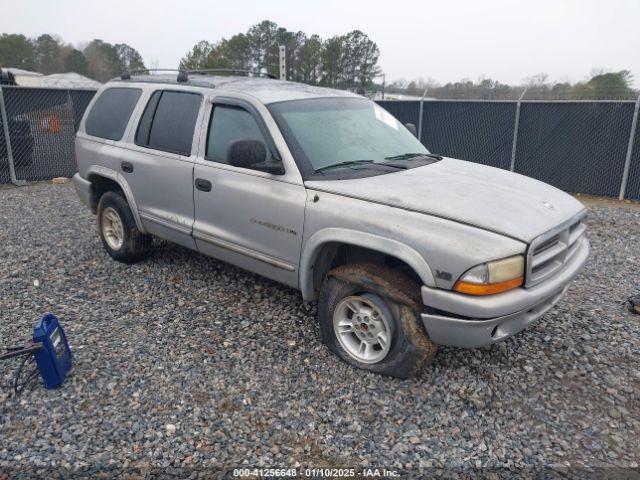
[359,162]
[343,164]
[408,156]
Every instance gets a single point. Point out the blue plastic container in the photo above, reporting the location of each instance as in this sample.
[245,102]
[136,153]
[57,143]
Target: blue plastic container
[54,358]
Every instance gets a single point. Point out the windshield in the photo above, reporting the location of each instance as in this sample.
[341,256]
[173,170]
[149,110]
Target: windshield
[344,132]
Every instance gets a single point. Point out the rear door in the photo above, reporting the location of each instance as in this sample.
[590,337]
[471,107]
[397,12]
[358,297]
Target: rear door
[102,138]
[245,216]
[159,163]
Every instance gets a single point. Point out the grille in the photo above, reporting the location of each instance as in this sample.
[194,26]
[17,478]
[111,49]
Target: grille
[552,250]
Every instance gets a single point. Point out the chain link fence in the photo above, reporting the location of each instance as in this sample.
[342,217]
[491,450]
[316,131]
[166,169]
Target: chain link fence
[41,125]
[487,127]
[4,160]
[575,146]
[578,146]
[407,111]
[633,182]
[479,131]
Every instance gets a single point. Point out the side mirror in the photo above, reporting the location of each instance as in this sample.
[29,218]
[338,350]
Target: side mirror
[252,154]
[412,128]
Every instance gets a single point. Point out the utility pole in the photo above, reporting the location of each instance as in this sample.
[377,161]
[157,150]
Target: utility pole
[283,62]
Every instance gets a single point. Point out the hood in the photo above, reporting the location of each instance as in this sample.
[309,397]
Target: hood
[485,197]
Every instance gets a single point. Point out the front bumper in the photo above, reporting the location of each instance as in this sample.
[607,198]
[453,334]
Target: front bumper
[493,318]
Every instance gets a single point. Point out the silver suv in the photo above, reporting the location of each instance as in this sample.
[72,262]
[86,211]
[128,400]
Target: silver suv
[326,192]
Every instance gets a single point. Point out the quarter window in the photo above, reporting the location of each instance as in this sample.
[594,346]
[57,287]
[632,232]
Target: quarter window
[230,124]
[144,127]
[111,112]
[169,121]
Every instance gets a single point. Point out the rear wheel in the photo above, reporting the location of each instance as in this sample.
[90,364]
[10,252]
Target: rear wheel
[118,231]
[370,317]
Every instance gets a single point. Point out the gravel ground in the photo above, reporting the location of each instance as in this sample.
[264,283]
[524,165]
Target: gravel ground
[184,364]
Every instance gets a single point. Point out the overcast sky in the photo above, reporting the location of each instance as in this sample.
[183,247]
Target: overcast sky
[443,39]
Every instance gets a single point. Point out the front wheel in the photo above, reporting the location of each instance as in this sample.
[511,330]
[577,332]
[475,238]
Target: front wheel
[368,319]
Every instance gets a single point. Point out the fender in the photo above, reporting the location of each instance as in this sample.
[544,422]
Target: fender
[124,185]
[384,245]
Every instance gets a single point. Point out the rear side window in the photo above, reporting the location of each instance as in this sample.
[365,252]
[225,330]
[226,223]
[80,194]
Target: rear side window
[144,127]
[169,121]
[111,112]
[229,124]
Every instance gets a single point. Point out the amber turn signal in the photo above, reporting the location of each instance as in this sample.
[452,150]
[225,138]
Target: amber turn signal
[487,288]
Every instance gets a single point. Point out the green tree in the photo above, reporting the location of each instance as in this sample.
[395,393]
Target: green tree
[607,86]
[309,68]
[16,51]
[360,62]
[75,61]
[197,57]
[344,61]
[48,54]
[332,61]
[234,53]
[561,90]
[238,52]
[130,59]
[264,51]
[103,60]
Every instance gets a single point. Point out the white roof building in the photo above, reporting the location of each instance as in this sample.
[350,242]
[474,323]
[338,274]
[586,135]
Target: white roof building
[69,80]
[74,81]
[24,77]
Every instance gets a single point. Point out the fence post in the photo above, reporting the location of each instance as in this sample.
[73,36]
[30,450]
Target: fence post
[516,125]
[420,116]
[7,140]
[283,62]
[627,160]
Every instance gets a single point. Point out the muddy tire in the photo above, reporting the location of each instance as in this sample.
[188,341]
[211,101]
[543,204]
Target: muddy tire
[118,231]
[370,317]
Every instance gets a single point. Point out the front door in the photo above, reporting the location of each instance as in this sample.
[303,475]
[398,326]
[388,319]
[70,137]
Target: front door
[247,217]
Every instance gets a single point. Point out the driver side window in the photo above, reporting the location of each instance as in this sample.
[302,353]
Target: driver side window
[228,125]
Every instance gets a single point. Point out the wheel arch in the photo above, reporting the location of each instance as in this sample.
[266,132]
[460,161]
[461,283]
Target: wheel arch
[320,251]
[104,179]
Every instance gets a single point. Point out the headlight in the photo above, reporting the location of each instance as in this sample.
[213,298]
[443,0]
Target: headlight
[492,277]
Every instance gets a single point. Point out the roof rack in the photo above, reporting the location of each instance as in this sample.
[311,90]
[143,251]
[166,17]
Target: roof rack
[183,75]
[249,73]
[126,75]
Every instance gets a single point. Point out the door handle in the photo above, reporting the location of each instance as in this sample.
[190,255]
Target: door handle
[126,167]
[203,185]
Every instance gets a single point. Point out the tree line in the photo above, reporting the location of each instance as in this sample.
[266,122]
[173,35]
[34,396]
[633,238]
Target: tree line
[48,54]
[348,61]
[601,85]
[343,61]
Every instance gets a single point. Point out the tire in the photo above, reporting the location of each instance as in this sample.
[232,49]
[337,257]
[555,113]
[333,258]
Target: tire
[118,231]
[397,302]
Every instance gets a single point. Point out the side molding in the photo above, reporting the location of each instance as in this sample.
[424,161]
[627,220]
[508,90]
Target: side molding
[360,239]
[120,180]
